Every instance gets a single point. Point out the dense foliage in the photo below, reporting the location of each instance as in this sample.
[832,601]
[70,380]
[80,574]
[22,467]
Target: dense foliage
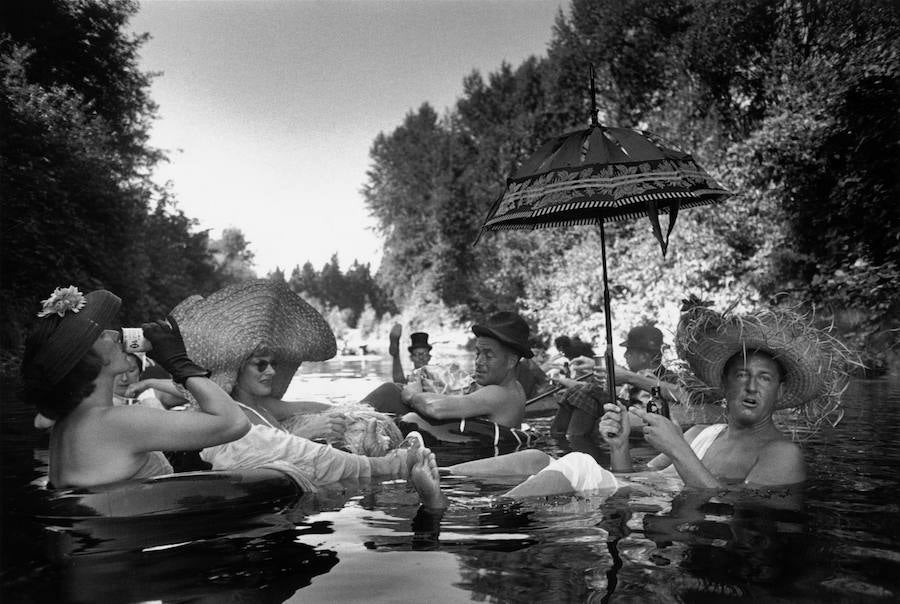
[791,105]
[78,205]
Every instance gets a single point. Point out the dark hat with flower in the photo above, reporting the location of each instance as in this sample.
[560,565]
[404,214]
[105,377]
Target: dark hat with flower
[814,363]
[509,328]
[227,327]
[81,319]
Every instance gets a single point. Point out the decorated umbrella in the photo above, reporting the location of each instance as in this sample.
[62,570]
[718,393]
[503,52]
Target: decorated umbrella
[602,174]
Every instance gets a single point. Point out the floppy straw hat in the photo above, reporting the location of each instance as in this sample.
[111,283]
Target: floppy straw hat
[813,361]
[83,319]
[224,329]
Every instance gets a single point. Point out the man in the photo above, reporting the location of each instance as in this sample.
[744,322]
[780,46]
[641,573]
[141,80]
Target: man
[419,352]
[582,406]
[500,343]
[761,363]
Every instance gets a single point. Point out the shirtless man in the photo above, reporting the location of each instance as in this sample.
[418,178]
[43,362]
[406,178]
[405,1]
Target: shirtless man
[761,362]
[749,448]
[500,342]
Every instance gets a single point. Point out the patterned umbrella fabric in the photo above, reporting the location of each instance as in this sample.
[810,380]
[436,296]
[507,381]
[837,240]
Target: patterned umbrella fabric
[602,174]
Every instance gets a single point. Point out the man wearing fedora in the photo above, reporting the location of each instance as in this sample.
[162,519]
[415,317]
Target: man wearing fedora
[419,352]
[501,341]
[582,405]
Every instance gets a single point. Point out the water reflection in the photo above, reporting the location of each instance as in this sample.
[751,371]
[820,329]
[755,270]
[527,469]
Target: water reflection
[371,542]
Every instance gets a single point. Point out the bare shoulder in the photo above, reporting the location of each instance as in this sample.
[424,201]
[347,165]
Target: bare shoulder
[781,449]
[780,462]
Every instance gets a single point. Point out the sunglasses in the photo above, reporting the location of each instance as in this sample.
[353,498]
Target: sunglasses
[262,364]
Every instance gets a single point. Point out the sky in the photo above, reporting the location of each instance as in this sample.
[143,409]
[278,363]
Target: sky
[268,108]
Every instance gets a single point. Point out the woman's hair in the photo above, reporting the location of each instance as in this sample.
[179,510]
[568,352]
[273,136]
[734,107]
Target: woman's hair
[55,401]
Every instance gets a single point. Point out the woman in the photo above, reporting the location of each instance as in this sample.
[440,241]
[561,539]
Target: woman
[253,336]
[69,369]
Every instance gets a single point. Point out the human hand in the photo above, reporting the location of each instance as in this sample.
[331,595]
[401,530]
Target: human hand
[615,425]
[133,390]
[168,350]
[409,390]
[329,427]
[394,339]
[662,433]
[581,365]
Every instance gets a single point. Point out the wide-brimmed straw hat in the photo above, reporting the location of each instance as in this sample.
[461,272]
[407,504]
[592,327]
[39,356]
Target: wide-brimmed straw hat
[509,328]
[82,319]
[224,329]
[815,364]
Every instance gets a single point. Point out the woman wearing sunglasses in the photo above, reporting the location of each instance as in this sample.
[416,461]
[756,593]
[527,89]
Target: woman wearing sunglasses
[69,368]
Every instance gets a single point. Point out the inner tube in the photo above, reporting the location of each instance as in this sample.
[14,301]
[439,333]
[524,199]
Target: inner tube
[470,431]
[223,494]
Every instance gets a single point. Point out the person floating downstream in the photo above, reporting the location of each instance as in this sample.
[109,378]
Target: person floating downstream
[419,352]
[253,336]
[582,405]
[69,368]
[763,362]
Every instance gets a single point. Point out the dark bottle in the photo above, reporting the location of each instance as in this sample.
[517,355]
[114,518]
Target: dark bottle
[658,404]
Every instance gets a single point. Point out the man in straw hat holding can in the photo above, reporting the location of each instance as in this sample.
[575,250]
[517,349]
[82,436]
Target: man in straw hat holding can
[761,363]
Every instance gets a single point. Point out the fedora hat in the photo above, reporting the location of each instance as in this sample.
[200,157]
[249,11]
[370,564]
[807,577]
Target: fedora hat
[224,329]
[644,337]
[508,328]
[814,362]
[82,318]
[418,339]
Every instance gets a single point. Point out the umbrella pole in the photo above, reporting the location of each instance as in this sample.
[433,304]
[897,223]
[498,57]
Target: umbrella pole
[610,362]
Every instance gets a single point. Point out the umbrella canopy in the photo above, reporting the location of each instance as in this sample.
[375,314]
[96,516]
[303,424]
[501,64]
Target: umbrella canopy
[602,174]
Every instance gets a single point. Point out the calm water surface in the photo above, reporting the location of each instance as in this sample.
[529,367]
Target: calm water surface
[369,542]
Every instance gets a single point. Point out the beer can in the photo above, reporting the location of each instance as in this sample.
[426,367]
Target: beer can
[133,340]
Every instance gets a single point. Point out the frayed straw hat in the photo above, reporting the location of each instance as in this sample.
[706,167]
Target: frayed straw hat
[224,329]
[814,362]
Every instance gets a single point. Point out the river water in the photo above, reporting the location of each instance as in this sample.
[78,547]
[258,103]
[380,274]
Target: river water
[369,542]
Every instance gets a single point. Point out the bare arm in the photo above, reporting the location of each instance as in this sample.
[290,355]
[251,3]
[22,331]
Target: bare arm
[666,437]
[644,382]
[219,420]
[614,430]
[285,409]
[484,401]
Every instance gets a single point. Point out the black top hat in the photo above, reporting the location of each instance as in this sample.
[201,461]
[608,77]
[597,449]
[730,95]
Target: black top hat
[508,328]
[644,337]
[419,339]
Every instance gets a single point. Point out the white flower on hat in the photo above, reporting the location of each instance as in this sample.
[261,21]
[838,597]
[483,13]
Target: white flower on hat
[62,300]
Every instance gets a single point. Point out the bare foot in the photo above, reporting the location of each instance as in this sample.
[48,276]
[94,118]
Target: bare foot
[426,479]
[394,336]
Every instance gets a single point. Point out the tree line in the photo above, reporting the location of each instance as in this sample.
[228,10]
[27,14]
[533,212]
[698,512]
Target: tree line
[792,105]
[79,205]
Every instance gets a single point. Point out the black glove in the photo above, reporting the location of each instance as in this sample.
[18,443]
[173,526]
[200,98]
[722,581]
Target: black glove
[168,351]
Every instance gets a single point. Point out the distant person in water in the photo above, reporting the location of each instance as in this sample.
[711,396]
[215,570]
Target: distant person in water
[419,352]
[763,362]
[497,396]
[69,368]
[581,406]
